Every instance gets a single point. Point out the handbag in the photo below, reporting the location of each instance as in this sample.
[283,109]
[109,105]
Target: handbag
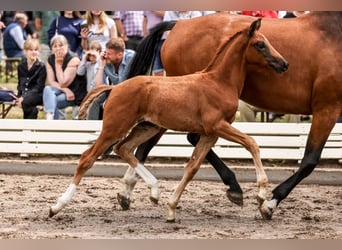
[56,30]
[7,95]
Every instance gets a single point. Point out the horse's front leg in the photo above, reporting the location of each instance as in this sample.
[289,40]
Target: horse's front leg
[198,155]
[319,133]
[86,162]
[139,134]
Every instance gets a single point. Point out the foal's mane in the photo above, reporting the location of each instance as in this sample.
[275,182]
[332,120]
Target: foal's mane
[222,49]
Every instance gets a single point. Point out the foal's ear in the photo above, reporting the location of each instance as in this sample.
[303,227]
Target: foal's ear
[254,26]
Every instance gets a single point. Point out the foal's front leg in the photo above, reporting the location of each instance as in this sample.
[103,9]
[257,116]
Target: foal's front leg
[226,131]
[86,162]
[198,155]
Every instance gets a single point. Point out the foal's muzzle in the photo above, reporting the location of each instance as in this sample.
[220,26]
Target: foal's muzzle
[280,65]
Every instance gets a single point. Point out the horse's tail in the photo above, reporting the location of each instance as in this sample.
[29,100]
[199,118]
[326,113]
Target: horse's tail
[147,48]
[89,99]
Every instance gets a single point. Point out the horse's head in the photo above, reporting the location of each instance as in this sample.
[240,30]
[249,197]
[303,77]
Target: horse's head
[261,51]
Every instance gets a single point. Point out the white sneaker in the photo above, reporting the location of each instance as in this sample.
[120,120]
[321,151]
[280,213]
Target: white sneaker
[49,116]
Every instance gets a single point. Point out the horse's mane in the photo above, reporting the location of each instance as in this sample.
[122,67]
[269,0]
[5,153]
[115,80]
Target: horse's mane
[330,22]
[221,49]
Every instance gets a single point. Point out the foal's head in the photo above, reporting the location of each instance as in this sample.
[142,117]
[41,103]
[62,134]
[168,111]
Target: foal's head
[261,52]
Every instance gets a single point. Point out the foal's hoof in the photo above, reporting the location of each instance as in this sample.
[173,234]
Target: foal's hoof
[235,197]
[154,200]
[51,213]
[267,209]
[170,220]
[123,201]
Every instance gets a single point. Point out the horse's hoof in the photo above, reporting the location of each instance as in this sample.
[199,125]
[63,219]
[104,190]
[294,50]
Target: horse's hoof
[51,213]
[267,209]
[170,220]
[154,200]
[236,198]
[123,201]
[260,200]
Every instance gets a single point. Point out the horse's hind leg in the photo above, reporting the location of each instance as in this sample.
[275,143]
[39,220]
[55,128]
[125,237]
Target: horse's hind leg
[86,162]
[139,134]
[322,124]
[234,193]
[198,155]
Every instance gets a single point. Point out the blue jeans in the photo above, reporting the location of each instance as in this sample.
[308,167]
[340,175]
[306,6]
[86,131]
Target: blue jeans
[54,99]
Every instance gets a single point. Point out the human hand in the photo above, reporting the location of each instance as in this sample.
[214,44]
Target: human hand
[2,25]
[70,96]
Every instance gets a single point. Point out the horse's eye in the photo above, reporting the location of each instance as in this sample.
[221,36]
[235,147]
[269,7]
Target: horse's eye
[260,45]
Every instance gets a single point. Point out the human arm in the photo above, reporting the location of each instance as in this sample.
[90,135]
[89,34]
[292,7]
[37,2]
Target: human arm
[120,29]
[81,69]
[100,75]
[17,35]
[63,78]
[113,32]
[52,29]
[145,31]
[84,35]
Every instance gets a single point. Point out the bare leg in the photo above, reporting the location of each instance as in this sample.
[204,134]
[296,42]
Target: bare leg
[198,155]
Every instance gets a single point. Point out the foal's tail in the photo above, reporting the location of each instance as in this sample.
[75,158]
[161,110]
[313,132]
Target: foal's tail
[147,49]
[89,99]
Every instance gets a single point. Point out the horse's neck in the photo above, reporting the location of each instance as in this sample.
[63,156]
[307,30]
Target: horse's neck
[229,62]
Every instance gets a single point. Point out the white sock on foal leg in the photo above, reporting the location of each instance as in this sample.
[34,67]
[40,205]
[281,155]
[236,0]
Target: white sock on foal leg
[129,180]
[64,199]
[148,177]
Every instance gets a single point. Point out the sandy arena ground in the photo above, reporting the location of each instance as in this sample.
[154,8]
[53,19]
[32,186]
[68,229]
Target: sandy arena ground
[310,211]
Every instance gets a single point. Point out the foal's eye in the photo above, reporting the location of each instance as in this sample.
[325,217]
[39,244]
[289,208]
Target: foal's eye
[260,45]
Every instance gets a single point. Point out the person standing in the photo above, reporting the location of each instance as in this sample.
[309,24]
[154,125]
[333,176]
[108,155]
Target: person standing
[151,19]
[130,27]
[42,21]
[31,80]
[97,26]
[68,24]
[2,27]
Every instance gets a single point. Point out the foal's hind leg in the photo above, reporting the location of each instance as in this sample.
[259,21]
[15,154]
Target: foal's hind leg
[198,155]
[139,134]
[130,178]
[86,162]
[226,131]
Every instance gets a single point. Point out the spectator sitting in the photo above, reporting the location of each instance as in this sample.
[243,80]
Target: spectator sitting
[31,80]
[64,86]
[113,68]
[15,36]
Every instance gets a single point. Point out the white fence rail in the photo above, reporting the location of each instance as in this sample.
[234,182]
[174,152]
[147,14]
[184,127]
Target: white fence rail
[72,137]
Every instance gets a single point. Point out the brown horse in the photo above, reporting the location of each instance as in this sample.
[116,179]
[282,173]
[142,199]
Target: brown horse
[203,103]
[312,85]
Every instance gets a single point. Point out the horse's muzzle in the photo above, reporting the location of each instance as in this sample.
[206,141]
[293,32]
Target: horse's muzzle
[280,65]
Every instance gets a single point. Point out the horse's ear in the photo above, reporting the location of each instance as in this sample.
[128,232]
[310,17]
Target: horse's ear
[254,26]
